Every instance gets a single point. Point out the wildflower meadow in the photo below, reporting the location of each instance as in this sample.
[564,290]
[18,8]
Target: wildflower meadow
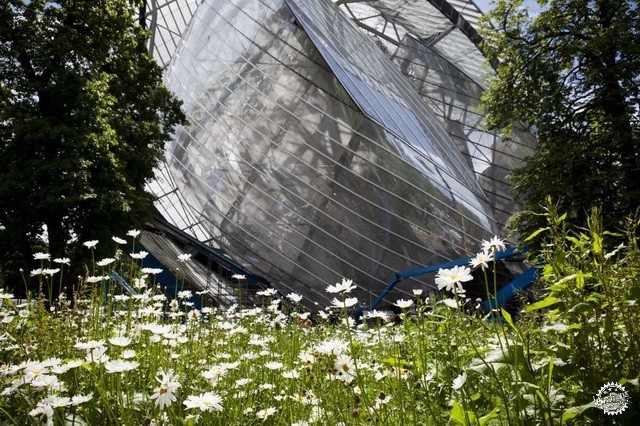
[111,357]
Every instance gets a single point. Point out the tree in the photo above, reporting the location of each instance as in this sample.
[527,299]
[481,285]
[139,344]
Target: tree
[571,74]
[83,121]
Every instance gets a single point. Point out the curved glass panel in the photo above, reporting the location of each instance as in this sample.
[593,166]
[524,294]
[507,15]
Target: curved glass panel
[377,87]
[455,99]
[425,41]
[284,172]
[167,21]
[445,26]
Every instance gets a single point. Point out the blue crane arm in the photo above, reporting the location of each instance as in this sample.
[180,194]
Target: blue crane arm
[507,292]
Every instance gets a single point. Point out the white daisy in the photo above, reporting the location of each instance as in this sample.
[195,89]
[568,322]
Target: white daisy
[206,402]
[133,233]
[344,287]
[118,240]
[459,381]
[106,261]
[493,245]
[90,244]
[404,304]
[120,366]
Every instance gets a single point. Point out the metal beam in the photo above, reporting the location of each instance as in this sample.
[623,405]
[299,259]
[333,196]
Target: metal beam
[399,276]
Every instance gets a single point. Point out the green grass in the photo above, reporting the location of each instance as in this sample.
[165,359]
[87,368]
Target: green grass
[270,365]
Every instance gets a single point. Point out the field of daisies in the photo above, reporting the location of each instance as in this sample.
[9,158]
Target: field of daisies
[107,357]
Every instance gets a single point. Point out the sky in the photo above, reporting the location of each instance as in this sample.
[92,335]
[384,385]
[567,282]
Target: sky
[485,5]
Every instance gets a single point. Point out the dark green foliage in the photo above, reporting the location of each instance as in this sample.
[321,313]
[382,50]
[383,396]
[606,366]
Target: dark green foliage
[572,75]
[83,120]
[589,314]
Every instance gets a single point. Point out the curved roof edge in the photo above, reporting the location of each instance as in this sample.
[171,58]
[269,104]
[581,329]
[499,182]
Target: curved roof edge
[458,19]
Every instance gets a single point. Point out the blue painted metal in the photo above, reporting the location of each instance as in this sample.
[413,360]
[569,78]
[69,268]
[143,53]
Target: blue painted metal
[125,285]
[521,282]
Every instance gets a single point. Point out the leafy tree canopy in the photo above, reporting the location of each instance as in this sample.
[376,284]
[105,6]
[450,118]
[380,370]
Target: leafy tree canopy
[571,74]
[83,121]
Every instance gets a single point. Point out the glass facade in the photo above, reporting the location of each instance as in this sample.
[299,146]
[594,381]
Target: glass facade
[327,140]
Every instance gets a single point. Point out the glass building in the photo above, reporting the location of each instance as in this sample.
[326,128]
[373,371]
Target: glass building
[329,139]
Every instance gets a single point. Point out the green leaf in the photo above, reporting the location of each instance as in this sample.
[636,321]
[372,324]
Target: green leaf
[188,422]
[550,374]
[544,303]
[597,243]
[535,233]
[544,48]
[580,276]
[575,241]
[459,416]
[596,298]
[608,324]
[573,412]
[581,308]
[395,361]
[507,317]
[492,415]
[633,294]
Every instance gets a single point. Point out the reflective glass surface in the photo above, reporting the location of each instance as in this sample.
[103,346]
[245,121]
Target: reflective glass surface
[381,91]
[445,26]
[199,275]
[167,20]
[287,174]
[435,45]
[318,149]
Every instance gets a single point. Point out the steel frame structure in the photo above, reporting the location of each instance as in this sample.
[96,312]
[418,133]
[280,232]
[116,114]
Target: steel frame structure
[319,149]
